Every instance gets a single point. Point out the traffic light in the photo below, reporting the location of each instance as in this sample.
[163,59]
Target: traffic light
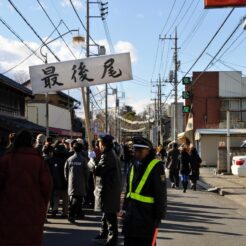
[186,109]
[186,80]
[186,95]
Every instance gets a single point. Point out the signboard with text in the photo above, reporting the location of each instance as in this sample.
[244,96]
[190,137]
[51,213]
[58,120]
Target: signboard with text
[80,73]
[224,3]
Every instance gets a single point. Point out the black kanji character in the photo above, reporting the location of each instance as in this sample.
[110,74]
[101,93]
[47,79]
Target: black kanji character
[51,77]
[83,73]
[74,73]
[108,68]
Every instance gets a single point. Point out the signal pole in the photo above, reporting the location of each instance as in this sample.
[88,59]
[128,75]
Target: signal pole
[175,83]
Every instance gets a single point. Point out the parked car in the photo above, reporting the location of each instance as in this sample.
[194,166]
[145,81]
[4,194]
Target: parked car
[239,165]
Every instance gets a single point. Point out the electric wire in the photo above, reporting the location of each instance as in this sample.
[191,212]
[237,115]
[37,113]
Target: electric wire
[155,61]
[22,41]
[186,24]
[34,31]
[21,62]
[209,43]
[81,22]
[53,24]
[186,12]
[194,30]
[215,56]
[182,6]
[168,18]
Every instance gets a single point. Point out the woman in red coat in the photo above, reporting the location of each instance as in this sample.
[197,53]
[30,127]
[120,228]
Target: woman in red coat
[25,188]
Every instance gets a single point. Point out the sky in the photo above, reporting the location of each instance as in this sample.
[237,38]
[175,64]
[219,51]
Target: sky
[133,26]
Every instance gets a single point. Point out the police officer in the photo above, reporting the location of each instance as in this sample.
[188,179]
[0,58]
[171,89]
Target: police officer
[145,202]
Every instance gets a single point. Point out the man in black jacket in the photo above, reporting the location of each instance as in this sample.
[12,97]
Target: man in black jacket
[173,165]
[107,190]
[145,202]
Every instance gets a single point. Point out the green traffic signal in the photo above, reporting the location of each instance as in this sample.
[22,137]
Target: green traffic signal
[186,80]
[186,109]
[186,95]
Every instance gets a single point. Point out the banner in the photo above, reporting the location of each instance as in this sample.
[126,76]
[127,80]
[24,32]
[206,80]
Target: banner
[80,73]
[130,130]
[135,122]
[224,3]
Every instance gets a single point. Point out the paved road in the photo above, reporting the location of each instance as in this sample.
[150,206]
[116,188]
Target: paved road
[202,219]
[195,218]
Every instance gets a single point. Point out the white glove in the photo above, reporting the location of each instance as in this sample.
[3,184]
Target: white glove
[91,154]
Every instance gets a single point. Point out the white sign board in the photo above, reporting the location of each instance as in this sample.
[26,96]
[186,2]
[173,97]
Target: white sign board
[80,73]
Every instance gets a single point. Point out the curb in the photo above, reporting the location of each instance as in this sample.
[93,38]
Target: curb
[211,188]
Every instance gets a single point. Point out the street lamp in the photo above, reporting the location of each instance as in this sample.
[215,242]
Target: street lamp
[76,39]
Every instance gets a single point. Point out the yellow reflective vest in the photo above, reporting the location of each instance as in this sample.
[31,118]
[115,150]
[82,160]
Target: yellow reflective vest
[136,195]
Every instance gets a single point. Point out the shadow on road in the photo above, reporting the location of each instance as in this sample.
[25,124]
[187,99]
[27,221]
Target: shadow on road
[194,219]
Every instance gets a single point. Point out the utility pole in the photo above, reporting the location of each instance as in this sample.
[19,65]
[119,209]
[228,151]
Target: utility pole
[175,83]
[88,51]
[176,86]
[160,110]
[116,118]
[106,108]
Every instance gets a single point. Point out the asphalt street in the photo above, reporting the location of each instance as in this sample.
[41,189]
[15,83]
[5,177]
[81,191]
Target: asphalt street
[194,218]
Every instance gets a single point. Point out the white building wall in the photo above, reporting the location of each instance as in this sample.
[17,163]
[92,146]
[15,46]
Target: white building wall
[231,84]
[180,119]
[58,117]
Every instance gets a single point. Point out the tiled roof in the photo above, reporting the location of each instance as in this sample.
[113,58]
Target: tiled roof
[13,84]
[14,124]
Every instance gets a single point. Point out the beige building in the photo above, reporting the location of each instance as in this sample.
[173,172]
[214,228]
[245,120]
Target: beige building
[61,112]
[208,140]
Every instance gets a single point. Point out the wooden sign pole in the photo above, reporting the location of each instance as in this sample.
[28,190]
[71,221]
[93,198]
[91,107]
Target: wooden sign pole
[87,119]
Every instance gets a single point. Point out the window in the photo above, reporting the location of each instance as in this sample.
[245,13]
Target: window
[235,104]
[237,109]
[225,105]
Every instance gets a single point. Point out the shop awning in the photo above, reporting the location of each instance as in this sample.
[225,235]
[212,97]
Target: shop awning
[65,133]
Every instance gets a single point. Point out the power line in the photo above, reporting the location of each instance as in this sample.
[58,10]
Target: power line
[53,24]
[168,18]
[233,42]
[177,16]
[168,54]
[195,28]
[186,11]
[217,53]
[209,43]
[22,41]
[21,62]
[34,31]
[189,19]
[76,12]
[162,54]
[156,56]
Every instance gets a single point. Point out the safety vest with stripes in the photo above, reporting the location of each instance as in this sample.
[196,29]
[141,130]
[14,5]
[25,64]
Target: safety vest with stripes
[136,195]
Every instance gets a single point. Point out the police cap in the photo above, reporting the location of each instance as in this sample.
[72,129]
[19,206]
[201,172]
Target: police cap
[141,142]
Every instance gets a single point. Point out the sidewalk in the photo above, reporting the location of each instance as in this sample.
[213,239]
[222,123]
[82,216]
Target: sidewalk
[233,187]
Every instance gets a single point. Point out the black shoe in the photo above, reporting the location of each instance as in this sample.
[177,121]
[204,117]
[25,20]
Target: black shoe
[100,237]
[111,243]
[71,220]
[173,185]
[63,216]
[54,213]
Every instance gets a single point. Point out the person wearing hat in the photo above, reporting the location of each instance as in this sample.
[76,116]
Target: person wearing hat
[107,191]
[173,165]
[145,202]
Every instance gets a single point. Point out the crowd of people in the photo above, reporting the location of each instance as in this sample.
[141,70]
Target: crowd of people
[184,162]
[40,177]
